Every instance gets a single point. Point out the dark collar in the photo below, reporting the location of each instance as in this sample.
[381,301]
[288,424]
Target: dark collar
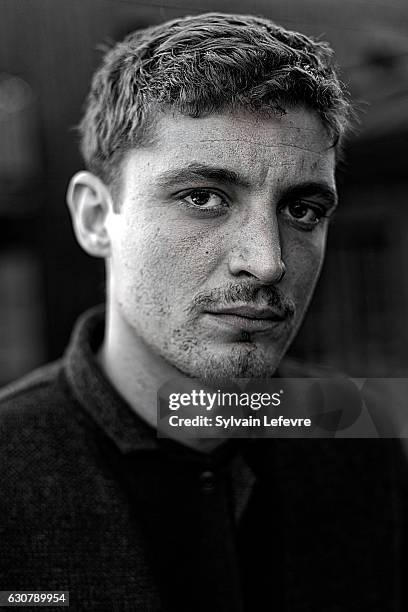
[95,393]
[128,432]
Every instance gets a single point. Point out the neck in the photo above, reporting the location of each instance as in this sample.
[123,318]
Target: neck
[138,373]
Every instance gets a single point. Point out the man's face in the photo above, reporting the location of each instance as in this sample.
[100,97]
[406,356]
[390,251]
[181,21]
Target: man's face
[207,215]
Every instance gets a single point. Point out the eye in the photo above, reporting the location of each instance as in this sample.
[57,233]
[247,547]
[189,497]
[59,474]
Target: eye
[303,213]
[204,200]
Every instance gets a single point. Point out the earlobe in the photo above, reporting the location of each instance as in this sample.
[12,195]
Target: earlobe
[90,203]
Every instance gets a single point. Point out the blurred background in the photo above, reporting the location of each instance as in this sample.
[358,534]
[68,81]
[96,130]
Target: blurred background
[358,321]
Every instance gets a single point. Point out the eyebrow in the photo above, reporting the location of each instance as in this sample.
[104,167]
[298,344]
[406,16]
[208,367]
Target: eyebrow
[313,188]
[196,172]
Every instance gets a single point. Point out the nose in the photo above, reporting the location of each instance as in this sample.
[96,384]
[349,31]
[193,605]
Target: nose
[257,250]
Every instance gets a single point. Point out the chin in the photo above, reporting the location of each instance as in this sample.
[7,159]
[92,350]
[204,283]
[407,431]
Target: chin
[241,361]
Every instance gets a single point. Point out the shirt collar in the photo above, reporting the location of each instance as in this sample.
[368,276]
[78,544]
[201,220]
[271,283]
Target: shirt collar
[128,432]
[95,393]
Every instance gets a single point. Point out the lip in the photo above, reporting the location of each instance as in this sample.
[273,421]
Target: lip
[250,311]
[248,317]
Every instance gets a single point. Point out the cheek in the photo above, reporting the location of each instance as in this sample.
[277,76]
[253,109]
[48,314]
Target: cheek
[174,259]
[303,262]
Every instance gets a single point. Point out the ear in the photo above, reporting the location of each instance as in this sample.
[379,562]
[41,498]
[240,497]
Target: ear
[90,203]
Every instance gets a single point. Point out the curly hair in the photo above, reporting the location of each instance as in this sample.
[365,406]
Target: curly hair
[204,64]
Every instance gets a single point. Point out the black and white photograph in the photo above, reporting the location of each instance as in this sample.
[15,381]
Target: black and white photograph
[204,305]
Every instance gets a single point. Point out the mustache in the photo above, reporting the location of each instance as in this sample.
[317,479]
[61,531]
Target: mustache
[247,292]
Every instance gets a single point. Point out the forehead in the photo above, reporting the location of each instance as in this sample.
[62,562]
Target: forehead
[295,146]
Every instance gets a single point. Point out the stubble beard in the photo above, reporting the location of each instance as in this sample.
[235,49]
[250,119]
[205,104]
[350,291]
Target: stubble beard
[190,349]
[223,363]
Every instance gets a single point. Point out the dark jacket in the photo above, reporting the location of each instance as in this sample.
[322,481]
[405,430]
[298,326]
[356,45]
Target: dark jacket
[91,502]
